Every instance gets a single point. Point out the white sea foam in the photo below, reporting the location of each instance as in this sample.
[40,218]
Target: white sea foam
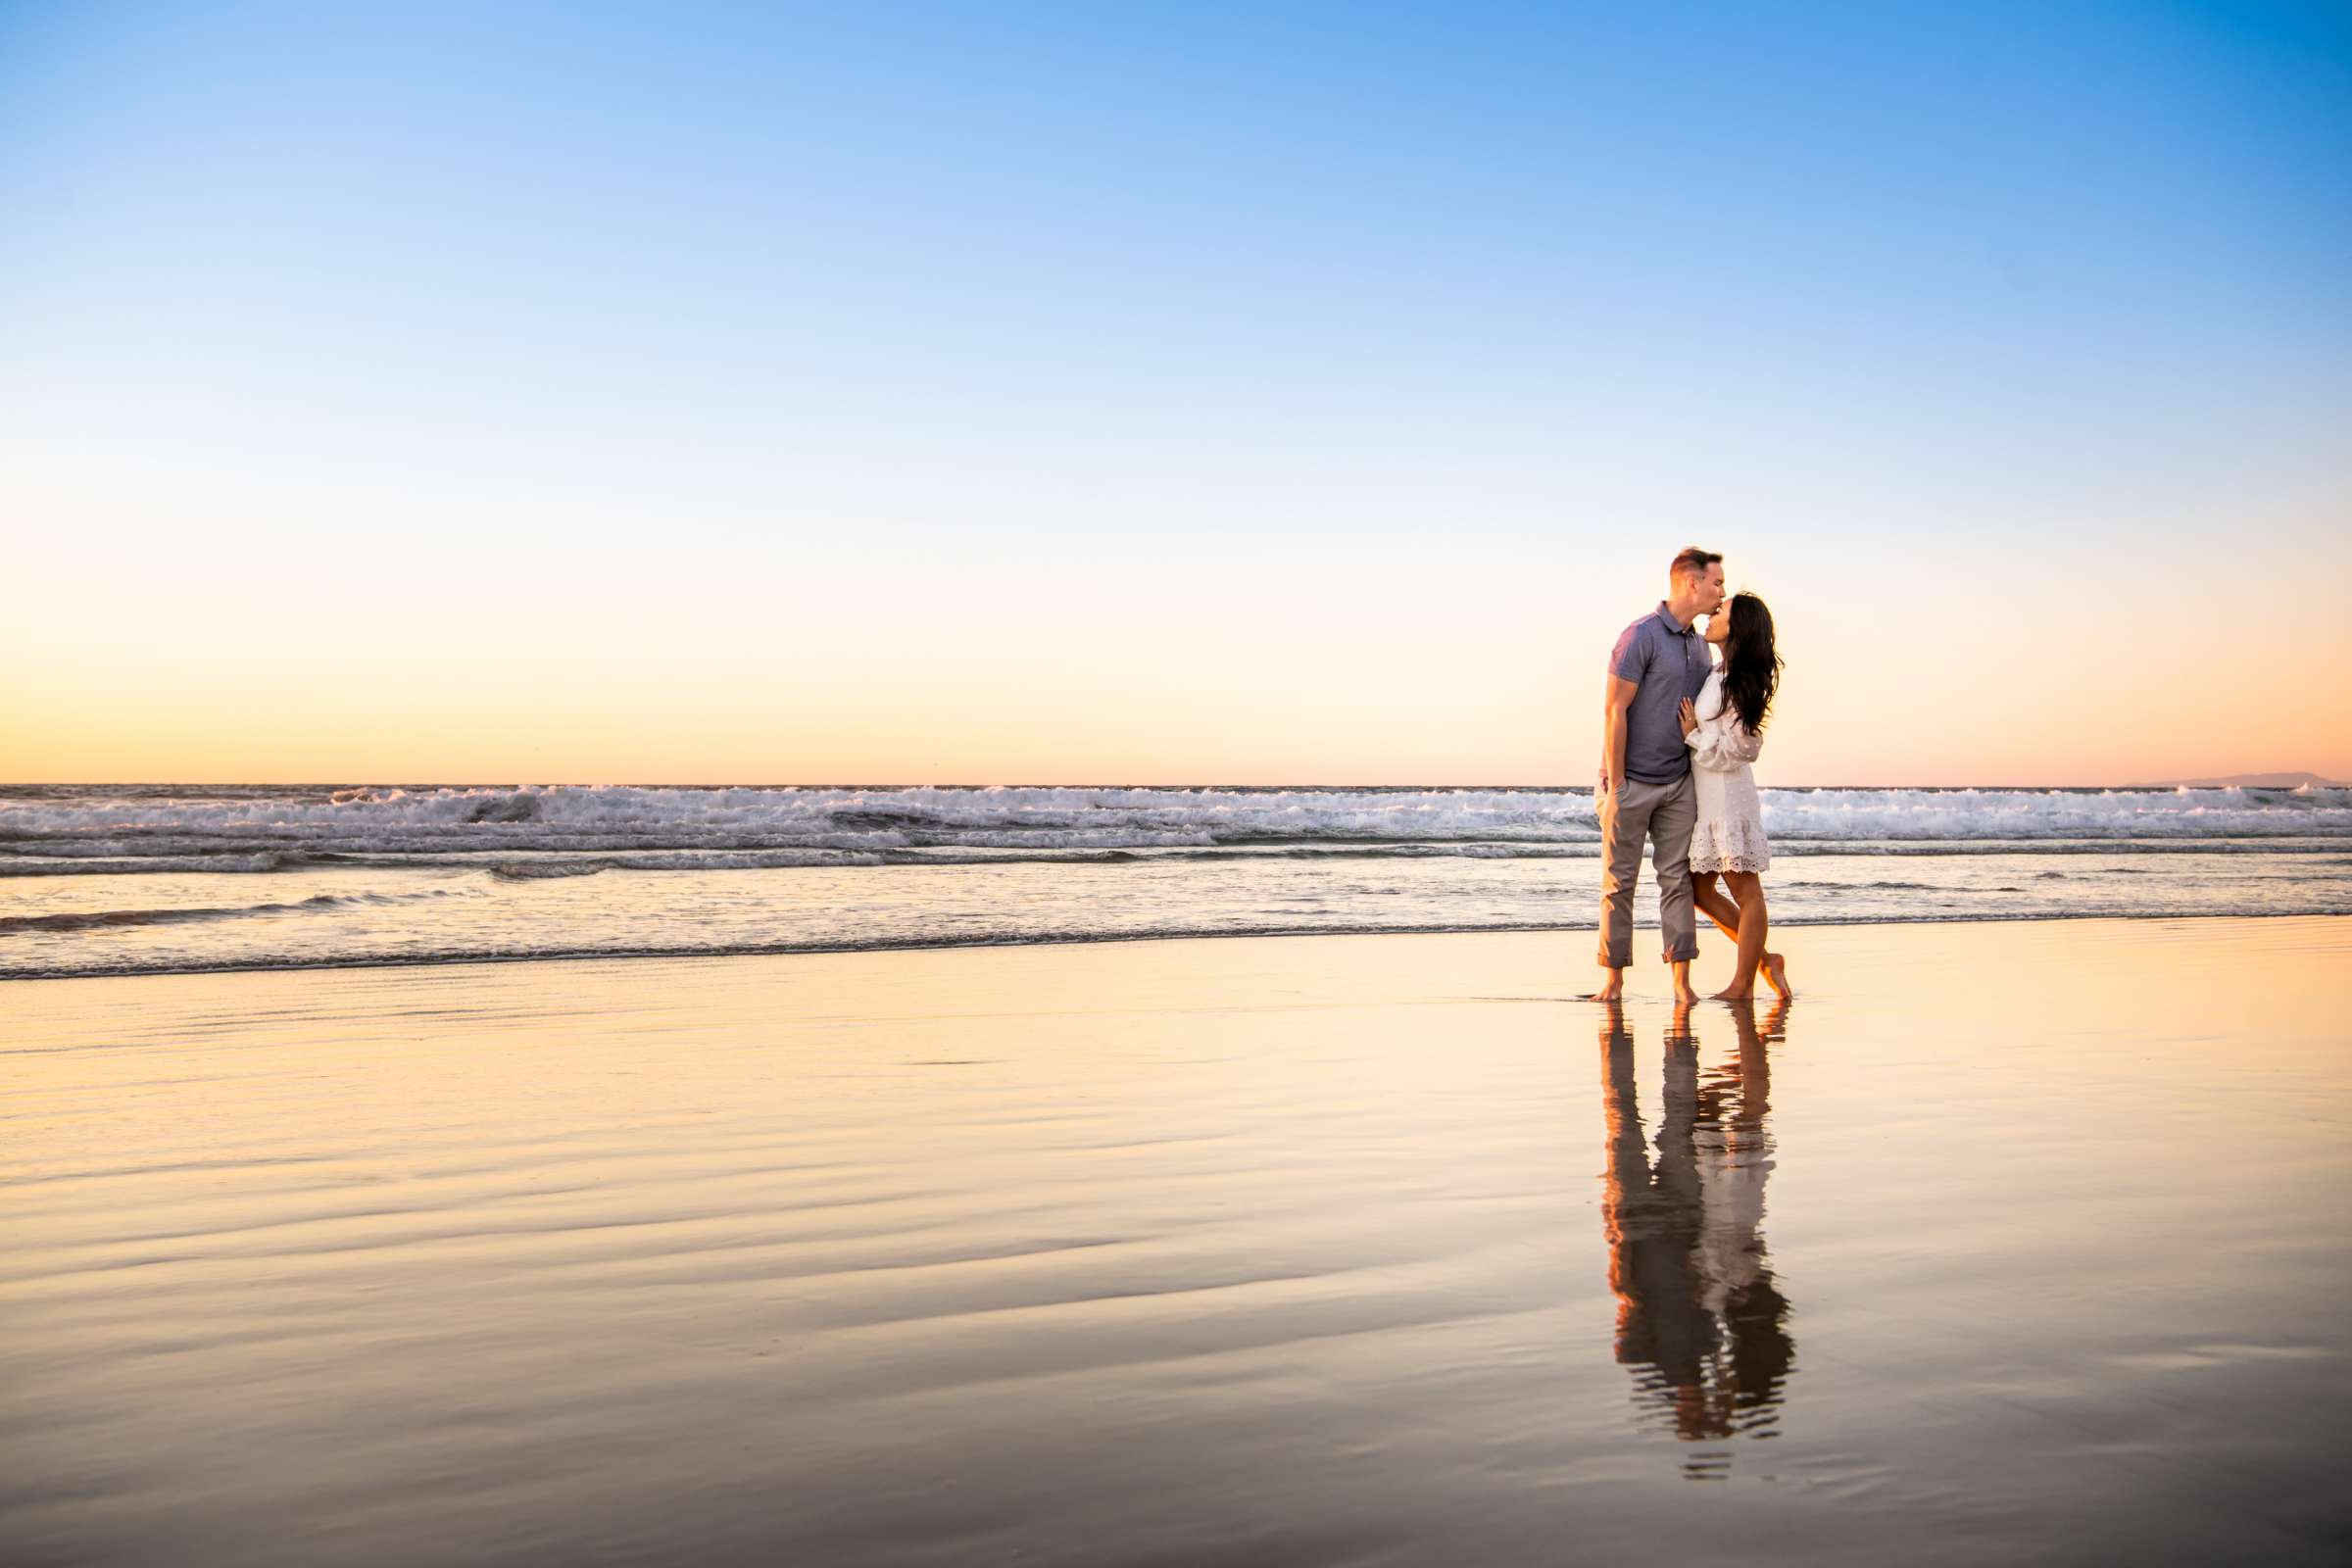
[53,830]
[335,904]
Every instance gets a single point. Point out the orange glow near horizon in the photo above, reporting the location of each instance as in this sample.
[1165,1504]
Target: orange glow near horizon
[2031,695]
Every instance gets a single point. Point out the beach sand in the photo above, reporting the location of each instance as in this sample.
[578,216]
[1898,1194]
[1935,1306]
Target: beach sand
[2004,1241]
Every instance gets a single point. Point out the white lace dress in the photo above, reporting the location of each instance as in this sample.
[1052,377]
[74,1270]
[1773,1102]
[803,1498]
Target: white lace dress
[1730,835]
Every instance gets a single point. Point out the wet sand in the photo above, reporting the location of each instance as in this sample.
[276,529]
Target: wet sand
[2004,1241]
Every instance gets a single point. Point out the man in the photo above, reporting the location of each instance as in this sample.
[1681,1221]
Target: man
[1644,788]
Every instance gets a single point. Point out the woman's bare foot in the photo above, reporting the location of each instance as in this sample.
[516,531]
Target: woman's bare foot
[1776,974]
[1684,996]
[1727,994]
[1614,991]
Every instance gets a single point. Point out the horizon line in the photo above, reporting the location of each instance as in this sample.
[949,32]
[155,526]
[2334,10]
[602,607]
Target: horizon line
[2302,777]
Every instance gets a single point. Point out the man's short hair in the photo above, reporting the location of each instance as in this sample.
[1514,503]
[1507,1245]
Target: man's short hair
[1693,561]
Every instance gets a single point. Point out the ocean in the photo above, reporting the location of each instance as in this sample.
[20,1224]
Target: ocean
[140,879]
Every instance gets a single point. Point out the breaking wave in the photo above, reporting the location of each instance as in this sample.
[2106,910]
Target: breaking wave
[252,828]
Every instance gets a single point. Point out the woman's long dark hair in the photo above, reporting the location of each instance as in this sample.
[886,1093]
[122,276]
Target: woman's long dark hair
[1752,671]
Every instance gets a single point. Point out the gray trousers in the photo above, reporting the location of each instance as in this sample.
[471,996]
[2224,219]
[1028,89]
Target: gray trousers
[1664,813]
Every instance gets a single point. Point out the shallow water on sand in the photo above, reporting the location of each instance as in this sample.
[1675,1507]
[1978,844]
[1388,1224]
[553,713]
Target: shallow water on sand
[2002,1242]
[351,914]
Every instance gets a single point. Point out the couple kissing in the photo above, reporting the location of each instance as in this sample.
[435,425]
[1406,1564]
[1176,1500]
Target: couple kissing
[1679,732]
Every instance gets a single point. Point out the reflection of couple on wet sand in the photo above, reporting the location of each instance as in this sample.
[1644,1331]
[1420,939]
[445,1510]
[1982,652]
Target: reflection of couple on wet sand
[1700,1320]
[1678,734]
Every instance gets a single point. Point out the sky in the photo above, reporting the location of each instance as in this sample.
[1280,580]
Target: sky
[1164,393]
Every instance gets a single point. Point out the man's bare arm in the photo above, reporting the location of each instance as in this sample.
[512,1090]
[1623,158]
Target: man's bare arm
[1615,700]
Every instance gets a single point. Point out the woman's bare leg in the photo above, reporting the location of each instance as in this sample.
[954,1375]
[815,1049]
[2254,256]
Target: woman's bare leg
[1708,893]
[1747,891]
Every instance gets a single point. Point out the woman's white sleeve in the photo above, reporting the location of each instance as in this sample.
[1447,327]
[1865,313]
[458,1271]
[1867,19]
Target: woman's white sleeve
[1724,746]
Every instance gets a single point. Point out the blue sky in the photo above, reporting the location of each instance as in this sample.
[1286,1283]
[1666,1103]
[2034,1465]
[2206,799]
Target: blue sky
[1068,364]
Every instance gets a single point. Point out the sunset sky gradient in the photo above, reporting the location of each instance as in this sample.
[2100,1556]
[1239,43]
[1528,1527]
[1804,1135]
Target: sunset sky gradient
[937,393]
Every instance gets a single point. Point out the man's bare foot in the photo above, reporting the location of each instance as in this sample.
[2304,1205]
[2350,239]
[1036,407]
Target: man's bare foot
[1684,996]
[1776,974]
[1727,994]
[1614,991]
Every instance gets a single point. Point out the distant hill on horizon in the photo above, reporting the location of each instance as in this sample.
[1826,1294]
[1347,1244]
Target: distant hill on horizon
[2259,781]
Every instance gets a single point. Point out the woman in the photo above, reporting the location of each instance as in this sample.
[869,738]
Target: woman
[1725,731]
